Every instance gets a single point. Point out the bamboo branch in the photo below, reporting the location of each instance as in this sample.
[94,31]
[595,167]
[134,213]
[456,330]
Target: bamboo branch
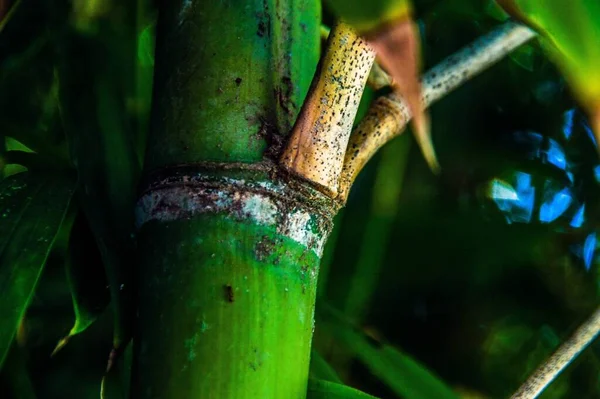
[378,78]
[319,139]
[560,359]
[389,115]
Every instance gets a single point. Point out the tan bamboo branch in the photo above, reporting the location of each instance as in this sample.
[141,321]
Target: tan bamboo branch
[560,359]
[320,136]
[378,78]
[389,115]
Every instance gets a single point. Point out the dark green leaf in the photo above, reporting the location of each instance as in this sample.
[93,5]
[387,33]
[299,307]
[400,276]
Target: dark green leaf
[15,381]
[32,208]
[404,375]
[101,138]
[320,389]
[87,279]
[319,368]
[115,383]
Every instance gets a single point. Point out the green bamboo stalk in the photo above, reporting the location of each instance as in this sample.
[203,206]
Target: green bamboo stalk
[229,245]
[229,265]
[230,78]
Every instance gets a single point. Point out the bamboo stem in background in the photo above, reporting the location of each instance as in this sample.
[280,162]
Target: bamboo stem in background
[385,201]
[388,115]
[564,355]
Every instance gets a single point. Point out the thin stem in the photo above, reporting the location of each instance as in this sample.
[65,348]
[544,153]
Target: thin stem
[560,359]
[389,114]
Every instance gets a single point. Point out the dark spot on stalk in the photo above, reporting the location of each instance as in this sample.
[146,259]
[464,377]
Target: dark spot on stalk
[229,297]
[261,29]
[238,81]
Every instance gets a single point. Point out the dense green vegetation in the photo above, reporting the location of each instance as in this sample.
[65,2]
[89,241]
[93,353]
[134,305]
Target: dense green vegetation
[447,286]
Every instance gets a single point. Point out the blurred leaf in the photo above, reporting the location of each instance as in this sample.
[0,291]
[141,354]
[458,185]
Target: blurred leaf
[115,383]
[15,145]
[7,9]
[100,135]
[383,210]
[524,56]
[87,279]
[320,389]
[319,368]
[144,73]
[15,381]
[570,30]
[32,208]
[32,116]
[405,376]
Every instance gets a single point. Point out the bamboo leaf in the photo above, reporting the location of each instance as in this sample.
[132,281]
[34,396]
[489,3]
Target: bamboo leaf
[32,208]
[320,389]
[115,383]
[87,279]
[319,368]
[6,12]
[101,140]
[570,32]
[401,373]
[15,380]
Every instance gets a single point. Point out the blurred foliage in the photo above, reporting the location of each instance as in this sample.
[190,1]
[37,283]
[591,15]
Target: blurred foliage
[569,31]
[461,283]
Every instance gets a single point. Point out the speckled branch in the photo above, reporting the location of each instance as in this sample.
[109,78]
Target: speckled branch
[319,139]
[388,115]
[560,359]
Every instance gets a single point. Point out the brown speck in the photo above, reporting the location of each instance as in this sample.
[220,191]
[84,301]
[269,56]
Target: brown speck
[238,81]
[229,293]
[261,29]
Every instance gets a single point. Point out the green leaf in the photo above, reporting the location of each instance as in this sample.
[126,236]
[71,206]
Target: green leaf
[7,10]
[101,138]
[570,34]
[319,368]
[402,374]
[320,389]
[15,380]
[29,107]
[32,208]
[115,383]
[87,279]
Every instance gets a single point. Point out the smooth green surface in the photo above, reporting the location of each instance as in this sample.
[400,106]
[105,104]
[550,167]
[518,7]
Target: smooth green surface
[226,311]
[228,74]
[32,209]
